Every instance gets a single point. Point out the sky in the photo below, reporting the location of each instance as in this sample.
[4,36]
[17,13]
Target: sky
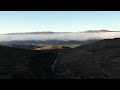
[58,21]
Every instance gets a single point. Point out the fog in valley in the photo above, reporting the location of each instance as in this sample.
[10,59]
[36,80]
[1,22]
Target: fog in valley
[60,36]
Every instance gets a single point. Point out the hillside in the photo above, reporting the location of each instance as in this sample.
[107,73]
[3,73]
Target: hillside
[51,47]
[95,60]
[29,64]
[98,60]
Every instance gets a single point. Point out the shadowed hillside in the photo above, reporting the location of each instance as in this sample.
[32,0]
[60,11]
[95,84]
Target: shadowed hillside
[98,60]
[30,64]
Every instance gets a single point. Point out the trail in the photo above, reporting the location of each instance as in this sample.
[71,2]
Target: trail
[53,65]
[58,67]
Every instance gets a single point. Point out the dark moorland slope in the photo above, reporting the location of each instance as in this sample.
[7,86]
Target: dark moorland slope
[30,64]
[97,60]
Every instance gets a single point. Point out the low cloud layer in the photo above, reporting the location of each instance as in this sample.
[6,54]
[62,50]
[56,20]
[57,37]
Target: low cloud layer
[61,36]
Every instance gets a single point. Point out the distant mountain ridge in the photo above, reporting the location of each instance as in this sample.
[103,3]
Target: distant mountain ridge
[43,32]
[98,31]
[50,32]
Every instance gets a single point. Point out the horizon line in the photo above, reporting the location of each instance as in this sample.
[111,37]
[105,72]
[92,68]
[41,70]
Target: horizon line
[59,31]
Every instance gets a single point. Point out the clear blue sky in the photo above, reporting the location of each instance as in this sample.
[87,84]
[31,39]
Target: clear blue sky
[59,21]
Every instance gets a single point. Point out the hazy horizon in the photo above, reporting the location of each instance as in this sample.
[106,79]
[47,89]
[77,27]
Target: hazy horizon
[59,31]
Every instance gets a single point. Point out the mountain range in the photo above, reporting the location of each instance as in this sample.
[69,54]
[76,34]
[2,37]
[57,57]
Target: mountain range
[50,32]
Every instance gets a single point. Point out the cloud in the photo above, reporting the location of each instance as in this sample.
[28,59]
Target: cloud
[61,36]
